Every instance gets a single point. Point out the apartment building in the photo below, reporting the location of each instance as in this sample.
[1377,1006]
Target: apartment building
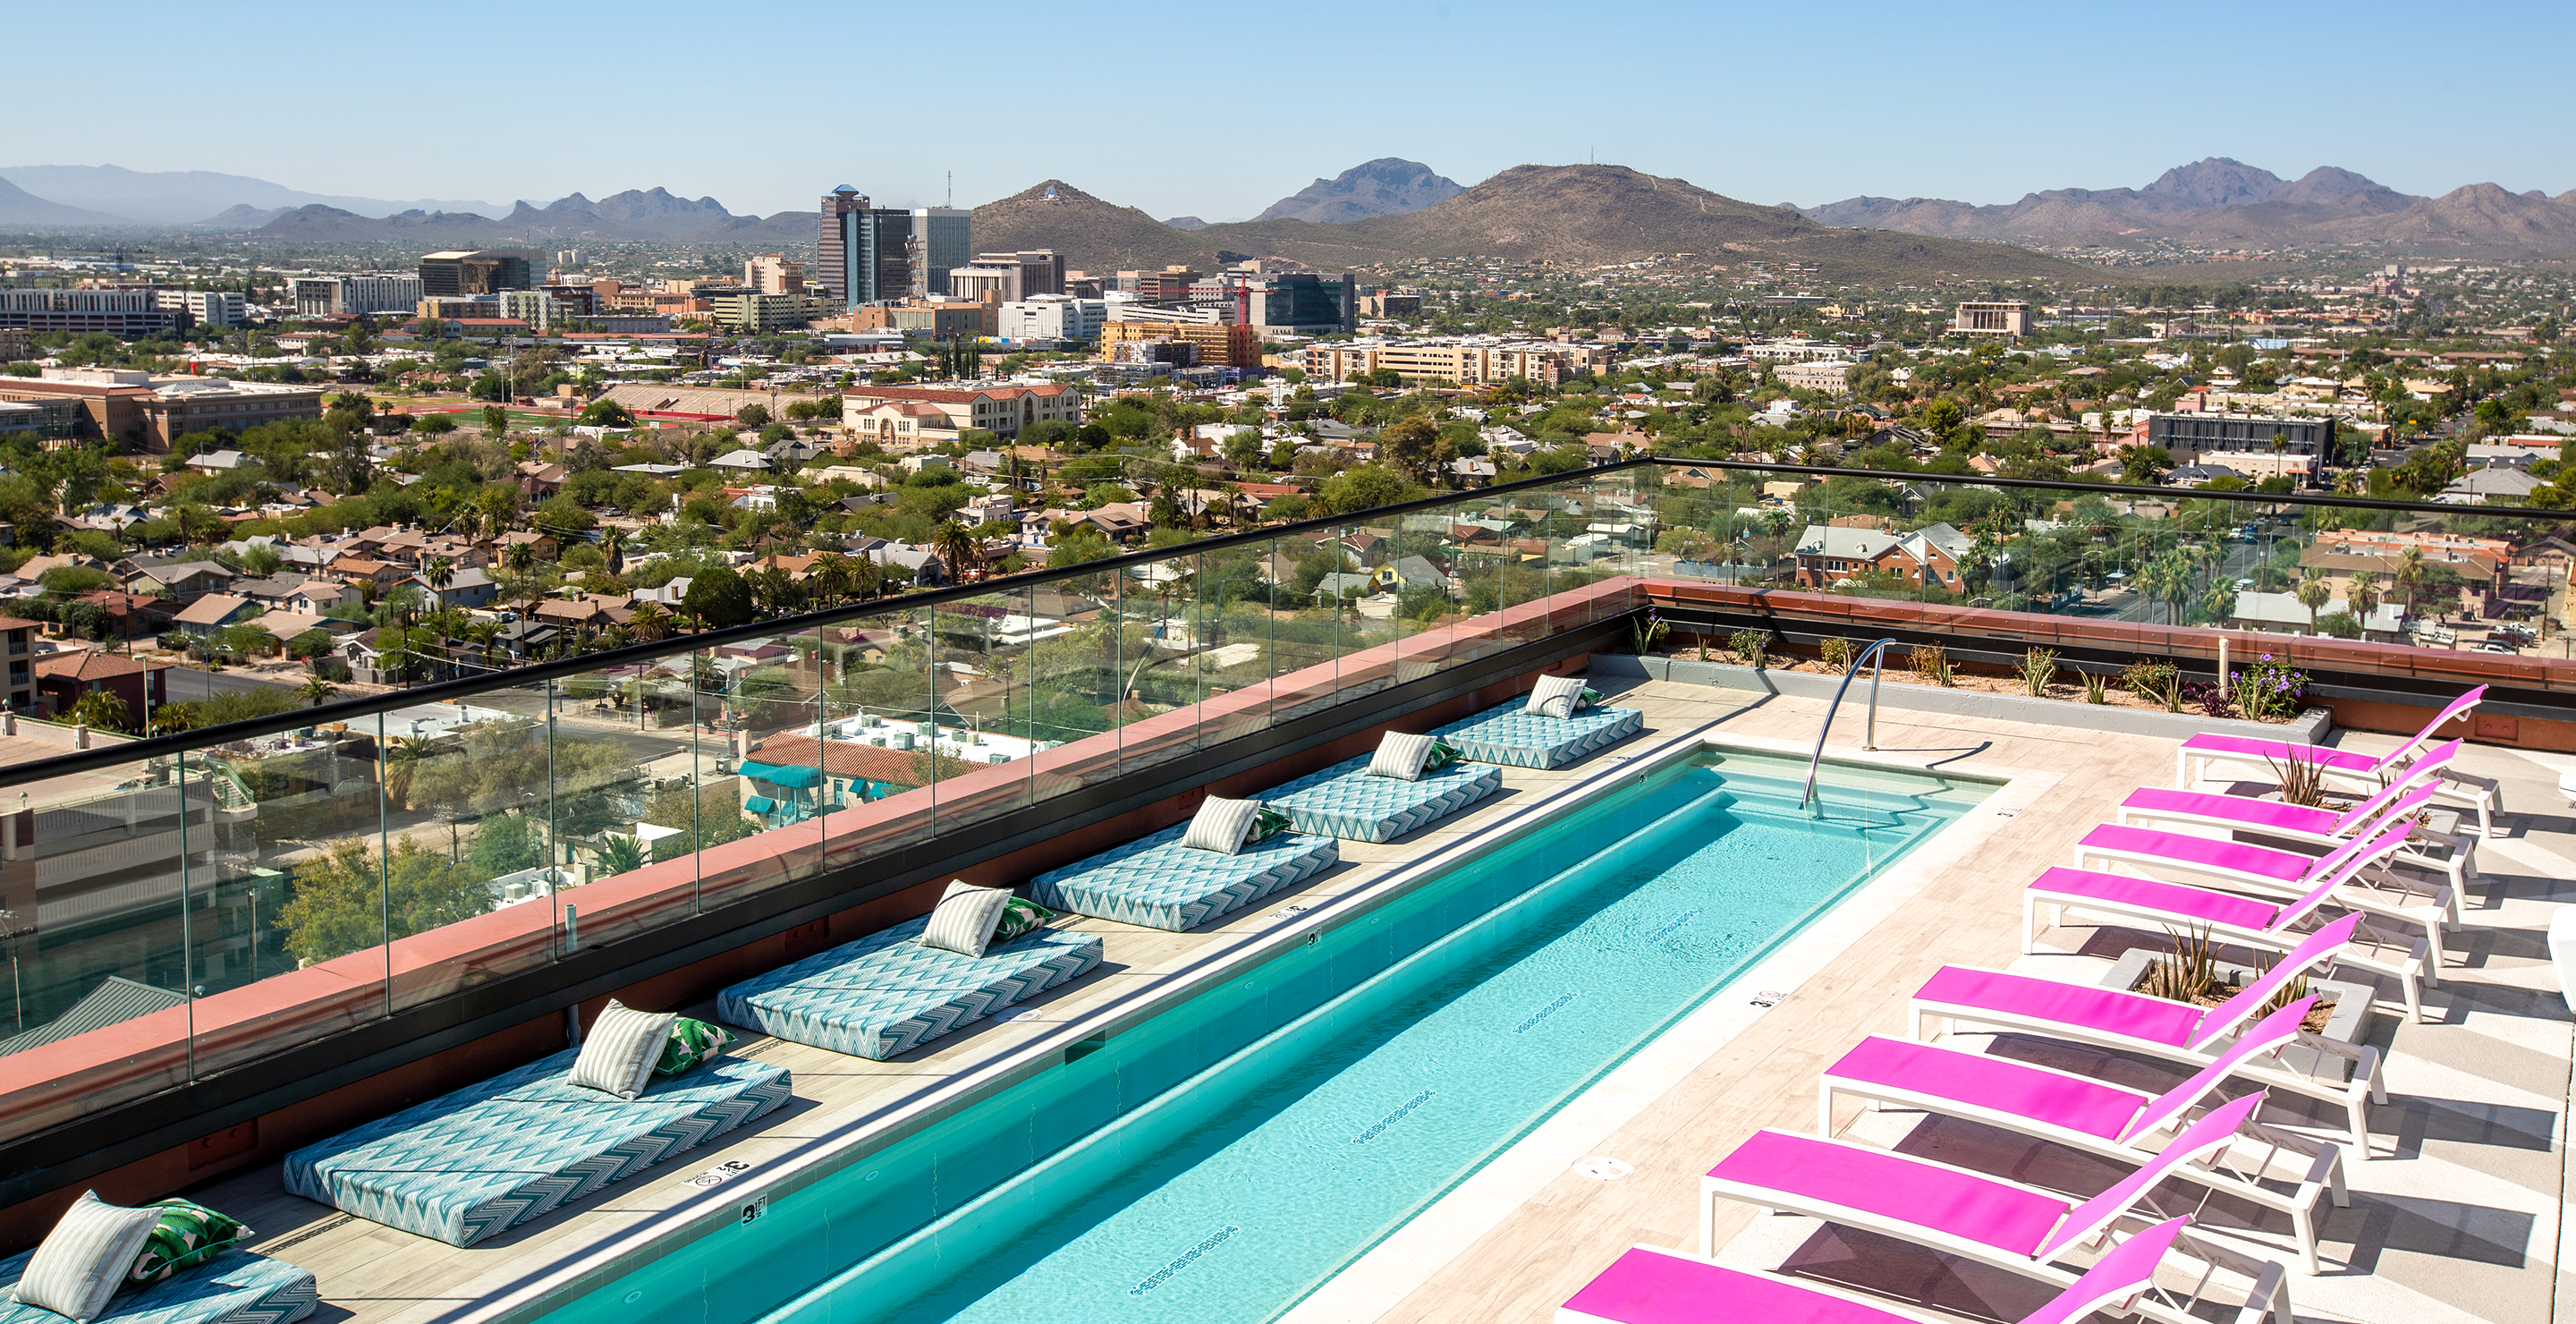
[2197,433]
[353,296]
[1467,361]
[1216,346]
[130,312]
[216,308]
[772,273]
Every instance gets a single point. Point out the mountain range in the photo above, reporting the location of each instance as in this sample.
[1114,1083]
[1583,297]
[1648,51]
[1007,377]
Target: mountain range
[654,213]
[2219,200]
[1570,214]
[119,196]
[1387,186]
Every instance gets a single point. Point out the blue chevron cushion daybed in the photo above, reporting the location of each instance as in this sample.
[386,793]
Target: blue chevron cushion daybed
[493,1155]
[1518,739]
[1159,883]
[235,1287]
[887,994]
[1345,801]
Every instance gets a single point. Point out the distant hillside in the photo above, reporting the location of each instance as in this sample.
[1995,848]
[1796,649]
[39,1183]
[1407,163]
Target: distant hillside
[1602,213]
[2218,200]
[19,207]
[186,197]
[1575,214]
[634,214]
[1092,234]
[1387,186]
[318,224]
[1185,223]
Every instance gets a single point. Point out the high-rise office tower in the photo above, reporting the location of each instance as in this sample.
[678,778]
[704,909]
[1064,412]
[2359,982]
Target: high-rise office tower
[832,267]
[873,254]
[947,236]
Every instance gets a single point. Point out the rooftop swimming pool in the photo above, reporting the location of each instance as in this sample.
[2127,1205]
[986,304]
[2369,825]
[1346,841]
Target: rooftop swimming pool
[1224,1158]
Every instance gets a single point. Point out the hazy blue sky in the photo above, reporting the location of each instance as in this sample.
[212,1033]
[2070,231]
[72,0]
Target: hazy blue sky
[1218,109]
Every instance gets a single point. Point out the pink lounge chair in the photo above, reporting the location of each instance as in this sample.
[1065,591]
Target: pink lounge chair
[2281,873]
[2348,767]
[2278,926]
[2020,1229]
[1653,1285]
[2305,825]
[2104,1120]
[2154,1027]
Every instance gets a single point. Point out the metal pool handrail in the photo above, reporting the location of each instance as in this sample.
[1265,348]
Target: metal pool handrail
[1878,652]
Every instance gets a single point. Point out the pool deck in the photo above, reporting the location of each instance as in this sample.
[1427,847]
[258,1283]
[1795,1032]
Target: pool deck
[2458,1220]
[2461,1223]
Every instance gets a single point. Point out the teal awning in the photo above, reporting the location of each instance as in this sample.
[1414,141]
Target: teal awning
[776,775]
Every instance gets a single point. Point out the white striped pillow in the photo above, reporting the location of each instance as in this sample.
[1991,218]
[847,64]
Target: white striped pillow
[1401,756]
[1221,825]
[623,1047]
[965,918]
[85,1258]
[1555,696]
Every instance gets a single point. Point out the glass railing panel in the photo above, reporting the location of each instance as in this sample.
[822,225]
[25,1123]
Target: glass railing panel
[1232,618]
[477,859]
[1304,638]
[881,695]
[616,736]
[94,903]
[981,760]
[1075,677]
[1163,685]
[284,860]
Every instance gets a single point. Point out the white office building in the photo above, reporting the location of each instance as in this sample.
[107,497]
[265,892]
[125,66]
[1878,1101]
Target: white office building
[1052,317]
[352,296]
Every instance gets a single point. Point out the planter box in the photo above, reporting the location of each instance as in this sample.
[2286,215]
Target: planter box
[2354,1007]
[2309,728]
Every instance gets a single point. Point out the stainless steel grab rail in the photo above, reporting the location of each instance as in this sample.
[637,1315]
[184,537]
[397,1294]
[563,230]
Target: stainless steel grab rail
[1877,651]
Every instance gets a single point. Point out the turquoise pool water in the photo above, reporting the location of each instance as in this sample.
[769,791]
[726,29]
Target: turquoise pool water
[1220,1161]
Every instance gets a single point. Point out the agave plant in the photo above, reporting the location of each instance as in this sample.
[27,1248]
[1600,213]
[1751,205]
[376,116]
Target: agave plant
[2097,689]
[2303,781]
[2189,971]
[2038,667]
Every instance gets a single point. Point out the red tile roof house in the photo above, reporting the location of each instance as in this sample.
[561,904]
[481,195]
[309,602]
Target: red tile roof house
[62,678]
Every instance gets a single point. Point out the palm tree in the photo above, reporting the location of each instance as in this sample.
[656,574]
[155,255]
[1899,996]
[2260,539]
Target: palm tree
[960,551]
[316,691]
[2314,592]
[522,560]
[438,572]
[613,544]
[620,855]
[2410,576]
[830,577]
[2364,596]
[649,622]
[484,635]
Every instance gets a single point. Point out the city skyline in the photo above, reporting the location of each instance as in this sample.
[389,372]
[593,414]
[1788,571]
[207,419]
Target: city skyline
[1981,109]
